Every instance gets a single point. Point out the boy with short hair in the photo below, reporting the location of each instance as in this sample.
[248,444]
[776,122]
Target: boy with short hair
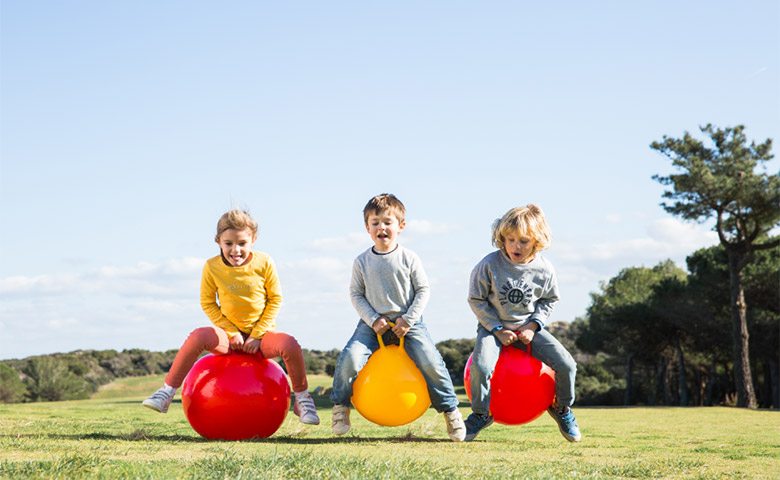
[389,285]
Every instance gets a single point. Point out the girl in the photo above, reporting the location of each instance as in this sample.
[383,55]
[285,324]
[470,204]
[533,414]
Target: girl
[240,293]
[512,292]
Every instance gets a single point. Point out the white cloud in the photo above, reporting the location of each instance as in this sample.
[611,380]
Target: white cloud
[346,243]
[666,238]
[682,235]
[324,266]
[62,323]
[426,227]
[144,278]
[52,284]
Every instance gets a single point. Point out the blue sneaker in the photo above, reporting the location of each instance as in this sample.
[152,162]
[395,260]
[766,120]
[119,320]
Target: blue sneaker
[567,424]
[475,424]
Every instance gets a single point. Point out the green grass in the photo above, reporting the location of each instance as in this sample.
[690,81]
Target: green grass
[112,436]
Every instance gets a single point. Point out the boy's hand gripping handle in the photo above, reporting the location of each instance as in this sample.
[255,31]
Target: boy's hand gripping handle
[382,342]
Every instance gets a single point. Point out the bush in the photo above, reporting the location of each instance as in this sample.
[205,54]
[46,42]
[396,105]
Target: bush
[12,389]
[455,354]
[49,379]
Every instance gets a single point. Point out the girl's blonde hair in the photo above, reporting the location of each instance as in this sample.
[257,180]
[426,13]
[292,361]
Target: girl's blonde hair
[525,221]
[237,220]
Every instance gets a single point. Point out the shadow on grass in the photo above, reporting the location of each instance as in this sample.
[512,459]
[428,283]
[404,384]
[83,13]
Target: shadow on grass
[320,402]
[141,436]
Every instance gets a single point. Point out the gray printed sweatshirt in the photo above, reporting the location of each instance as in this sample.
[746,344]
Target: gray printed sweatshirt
[504,294]
[392,284]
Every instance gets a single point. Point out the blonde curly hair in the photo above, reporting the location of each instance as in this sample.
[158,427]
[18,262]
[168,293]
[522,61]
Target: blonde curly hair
[528,221]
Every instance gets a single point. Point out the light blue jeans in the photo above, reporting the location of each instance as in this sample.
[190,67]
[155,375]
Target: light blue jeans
[544,347]
[418,346]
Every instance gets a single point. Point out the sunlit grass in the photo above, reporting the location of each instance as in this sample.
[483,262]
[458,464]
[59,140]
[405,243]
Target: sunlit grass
[112,436]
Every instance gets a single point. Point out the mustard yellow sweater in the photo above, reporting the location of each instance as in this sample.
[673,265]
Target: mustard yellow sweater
[241,299]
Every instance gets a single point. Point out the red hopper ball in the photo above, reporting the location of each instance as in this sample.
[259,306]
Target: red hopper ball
[521,388]
[235,396]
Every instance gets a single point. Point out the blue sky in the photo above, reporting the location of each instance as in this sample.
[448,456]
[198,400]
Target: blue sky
[127,128]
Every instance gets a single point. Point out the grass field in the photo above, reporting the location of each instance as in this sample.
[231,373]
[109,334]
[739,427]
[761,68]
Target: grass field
[112,436]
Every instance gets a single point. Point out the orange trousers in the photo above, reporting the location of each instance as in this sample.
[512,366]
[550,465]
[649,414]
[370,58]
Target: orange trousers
[216,341]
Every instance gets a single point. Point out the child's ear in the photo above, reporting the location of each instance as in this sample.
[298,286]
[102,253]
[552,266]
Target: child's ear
[401,225]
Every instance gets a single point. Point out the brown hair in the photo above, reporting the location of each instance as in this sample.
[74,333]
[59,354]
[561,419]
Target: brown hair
[382,203]
[237,220]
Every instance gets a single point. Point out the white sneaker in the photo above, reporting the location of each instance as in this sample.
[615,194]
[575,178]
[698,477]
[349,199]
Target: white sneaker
[455,426]
[341,423]
[305,409]
[159,400]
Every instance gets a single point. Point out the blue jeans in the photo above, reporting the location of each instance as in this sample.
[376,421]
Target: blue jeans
[418,346]
[544,347]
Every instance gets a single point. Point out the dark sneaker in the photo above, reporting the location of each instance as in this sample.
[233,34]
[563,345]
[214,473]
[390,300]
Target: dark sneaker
[567,424]
[475,424]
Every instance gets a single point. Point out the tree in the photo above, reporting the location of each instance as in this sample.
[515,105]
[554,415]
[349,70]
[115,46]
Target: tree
[48,379]
[726,179]
[710,318]
[621,321]
[12,388]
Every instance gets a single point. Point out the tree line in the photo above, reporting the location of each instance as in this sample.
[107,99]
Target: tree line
[77,375]
[667,333]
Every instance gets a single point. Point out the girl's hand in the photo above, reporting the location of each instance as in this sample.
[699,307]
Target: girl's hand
[526,333]
[401,327]
[506,336]
[237,342]
[252,345]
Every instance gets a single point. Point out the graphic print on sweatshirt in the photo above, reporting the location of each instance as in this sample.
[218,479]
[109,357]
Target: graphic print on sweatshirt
[515,292]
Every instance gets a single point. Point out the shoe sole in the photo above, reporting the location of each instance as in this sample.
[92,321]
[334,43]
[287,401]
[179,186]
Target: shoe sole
[470,437]
[564,433]
[569,437]
[152,407]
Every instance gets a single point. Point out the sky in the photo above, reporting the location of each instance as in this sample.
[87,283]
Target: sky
[128,128]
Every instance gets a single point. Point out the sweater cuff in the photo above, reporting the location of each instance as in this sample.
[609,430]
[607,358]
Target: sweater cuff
[538,322]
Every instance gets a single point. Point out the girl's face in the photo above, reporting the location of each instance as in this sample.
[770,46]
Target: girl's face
[236,246]
[519,248]
[384,229]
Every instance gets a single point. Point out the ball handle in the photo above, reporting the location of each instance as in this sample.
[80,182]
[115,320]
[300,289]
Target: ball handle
[382,342]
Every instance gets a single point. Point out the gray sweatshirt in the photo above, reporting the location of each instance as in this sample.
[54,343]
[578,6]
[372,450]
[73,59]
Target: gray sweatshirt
[392,284]
[504,294]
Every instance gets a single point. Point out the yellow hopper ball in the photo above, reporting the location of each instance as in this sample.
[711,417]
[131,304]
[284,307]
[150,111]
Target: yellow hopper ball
[390,390]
